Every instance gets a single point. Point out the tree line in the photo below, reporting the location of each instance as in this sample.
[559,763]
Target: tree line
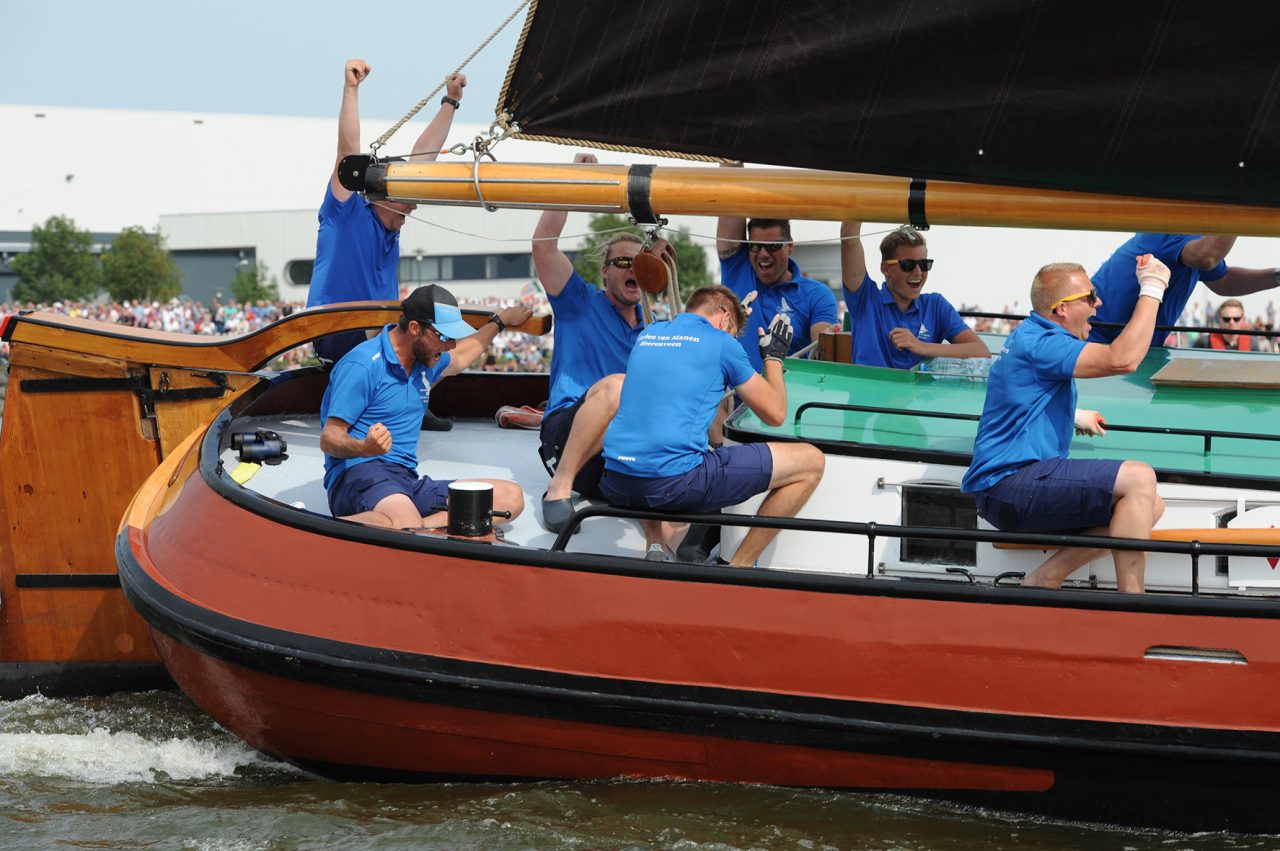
[61,266]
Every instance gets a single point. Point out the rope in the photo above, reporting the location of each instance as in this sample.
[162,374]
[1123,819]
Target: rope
[382,140]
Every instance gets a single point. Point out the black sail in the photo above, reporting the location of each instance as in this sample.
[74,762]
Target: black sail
[1159,98]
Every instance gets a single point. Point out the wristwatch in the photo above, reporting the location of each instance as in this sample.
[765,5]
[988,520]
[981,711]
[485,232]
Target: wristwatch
[453,102]
[502,326]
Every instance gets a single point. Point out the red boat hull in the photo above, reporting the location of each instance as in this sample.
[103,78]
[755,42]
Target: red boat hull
[372,654]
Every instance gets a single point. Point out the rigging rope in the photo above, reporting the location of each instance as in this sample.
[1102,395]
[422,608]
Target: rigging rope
[382,140]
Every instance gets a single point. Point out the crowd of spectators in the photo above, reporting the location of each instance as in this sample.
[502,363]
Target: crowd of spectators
[511,351]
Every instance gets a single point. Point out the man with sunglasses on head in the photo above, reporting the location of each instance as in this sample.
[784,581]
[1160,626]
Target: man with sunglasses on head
[358,244]
[595,330]
[1191,258]
[755,257]
[656,453]
[1020,477]
[1230,315]
[372,411]
[900,325]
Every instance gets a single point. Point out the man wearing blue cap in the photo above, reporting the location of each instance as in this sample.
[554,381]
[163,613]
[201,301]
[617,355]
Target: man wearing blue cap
[373,409]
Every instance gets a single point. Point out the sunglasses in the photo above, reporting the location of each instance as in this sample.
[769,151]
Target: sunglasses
[771,247]
[1091,295]
[1231,318]
[909,265]
[443,338]
[622,262]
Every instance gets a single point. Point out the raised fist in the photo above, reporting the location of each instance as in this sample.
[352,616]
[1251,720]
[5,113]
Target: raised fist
[1152,271]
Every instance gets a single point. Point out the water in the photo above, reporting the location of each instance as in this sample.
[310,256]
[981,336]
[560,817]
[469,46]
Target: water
[149,771]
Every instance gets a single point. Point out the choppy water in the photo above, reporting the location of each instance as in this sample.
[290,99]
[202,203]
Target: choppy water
[149,771]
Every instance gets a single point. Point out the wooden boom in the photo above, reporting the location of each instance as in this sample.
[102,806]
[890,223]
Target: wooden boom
[645,192]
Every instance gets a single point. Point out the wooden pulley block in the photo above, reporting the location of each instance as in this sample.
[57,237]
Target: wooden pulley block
[654,271]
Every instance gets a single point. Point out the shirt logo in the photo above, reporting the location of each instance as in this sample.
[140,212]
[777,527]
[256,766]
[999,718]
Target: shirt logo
[923,333]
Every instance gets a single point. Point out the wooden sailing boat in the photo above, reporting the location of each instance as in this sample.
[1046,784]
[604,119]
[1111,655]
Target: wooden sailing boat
[864,664]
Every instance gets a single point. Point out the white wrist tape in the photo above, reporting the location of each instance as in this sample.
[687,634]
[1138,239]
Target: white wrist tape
[1153,290]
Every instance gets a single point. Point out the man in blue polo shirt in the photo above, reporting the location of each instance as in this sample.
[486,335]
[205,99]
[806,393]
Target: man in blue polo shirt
[358,244]
[594,332]
[1021,478]
[1190,258]
[900,325]
[372,411]
[656,453]
[762,264]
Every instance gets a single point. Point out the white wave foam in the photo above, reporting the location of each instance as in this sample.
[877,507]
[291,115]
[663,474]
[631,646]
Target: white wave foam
[101,756]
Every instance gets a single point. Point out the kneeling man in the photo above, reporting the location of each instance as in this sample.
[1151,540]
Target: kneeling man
[372,414]
[655,449]
[1021,478]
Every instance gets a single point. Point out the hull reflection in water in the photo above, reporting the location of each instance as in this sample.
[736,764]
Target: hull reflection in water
[59,790]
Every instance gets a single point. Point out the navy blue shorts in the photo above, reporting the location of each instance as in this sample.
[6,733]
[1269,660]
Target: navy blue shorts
[363,486]
[725,477]
[1058,495]
[555,434]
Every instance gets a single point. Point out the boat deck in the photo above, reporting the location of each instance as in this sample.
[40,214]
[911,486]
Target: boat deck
[469,451]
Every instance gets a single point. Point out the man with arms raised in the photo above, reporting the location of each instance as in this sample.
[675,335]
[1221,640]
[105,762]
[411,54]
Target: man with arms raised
[358,245]
[1190,258]
[1021,478]
[762,264]
[373,407]
[594,332]
[900,325]
[655,450]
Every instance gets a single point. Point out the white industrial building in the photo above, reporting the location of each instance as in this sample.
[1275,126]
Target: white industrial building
[234,189]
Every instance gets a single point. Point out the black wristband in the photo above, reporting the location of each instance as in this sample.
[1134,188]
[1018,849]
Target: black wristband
[502,326]
[451,101]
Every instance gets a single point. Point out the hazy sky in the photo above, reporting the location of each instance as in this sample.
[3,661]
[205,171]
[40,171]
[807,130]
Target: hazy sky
[273,57]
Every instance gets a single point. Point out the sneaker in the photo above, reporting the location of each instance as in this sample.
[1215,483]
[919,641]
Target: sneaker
[525,416]
[656,553]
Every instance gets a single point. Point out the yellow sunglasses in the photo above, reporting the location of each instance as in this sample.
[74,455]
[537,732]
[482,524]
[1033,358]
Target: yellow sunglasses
[1091,295]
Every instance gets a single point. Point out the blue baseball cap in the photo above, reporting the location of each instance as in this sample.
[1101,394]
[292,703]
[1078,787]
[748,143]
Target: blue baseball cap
[435,306]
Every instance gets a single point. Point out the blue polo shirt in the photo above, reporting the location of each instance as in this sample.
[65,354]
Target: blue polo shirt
[1117,282]
[873,313]
[1029,414]
[805,300]
[370,386]
[357,259]
[676,375]
[592,340]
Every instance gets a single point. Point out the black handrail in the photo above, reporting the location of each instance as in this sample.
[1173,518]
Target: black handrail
[1207,434]
[1195,329]
[1194,549]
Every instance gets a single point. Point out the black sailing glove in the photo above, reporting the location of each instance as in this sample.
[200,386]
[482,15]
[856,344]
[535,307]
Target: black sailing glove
[776,342]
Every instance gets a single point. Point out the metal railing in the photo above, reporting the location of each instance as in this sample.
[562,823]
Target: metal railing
[1192,329]
[871,531]
[1206,434]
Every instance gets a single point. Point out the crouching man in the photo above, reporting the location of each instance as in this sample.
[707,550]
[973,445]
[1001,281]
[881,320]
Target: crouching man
[1021,478]
[372,414]
[655,450]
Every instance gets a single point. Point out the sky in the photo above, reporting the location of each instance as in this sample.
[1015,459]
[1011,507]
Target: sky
[269,57]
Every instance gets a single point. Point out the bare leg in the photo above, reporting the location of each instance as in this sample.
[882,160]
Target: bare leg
[395,512]
[667,535]
[1136,511]
[1063,563]
[797,469]
[587,435]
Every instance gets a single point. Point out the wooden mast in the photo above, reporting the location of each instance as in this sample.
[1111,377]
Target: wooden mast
[790,193]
